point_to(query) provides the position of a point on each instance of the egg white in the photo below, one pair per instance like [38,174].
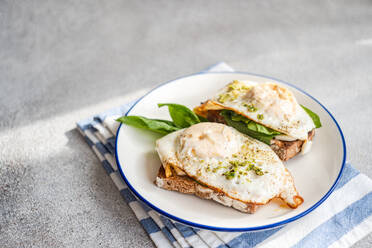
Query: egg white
[207,152]
[276,105]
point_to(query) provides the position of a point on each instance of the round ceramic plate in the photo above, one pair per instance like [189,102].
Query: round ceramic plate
[315,174]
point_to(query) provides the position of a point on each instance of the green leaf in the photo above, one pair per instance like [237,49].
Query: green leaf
[182,116]
[236,117]
[165,121]
[313,116]
[254,126]
[265,130]
[159,126]
[251,129]
[202,119]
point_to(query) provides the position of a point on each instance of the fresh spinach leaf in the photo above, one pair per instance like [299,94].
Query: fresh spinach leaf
[165,121]
[249,127]
[181,115]
[159,126]
[202,119]
[313,116]
[254,126]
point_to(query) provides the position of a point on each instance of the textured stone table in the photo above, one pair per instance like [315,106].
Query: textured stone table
[61,61]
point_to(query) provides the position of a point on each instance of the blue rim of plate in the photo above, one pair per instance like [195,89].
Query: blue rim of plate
[223,229]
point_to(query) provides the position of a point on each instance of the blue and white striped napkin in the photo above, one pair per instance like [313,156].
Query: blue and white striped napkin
[343,219]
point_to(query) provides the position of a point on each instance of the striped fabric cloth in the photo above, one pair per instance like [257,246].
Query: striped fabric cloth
[343,219]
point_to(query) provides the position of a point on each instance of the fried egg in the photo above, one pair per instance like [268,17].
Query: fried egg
[227,161]
[269,104]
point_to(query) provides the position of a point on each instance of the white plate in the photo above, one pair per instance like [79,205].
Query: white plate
[315,174]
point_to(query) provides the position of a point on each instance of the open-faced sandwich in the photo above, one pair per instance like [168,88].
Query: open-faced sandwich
[268,112]
[215,161]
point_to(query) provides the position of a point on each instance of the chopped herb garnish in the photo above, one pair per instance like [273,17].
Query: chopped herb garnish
[260,116]
[236,85]
[236,164]
[216,169]
[223,98]
[229,174]
[233,91]
[258,171]
[250,107]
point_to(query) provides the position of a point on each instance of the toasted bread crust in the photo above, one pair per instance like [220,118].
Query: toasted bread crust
[186,185]
[288,149]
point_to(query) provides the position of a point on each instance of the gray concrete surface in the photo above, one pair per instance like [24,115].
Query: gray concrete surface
[61,61]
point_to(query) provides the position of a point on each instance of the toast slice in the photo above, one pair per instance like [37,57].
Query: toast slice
[186,185]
